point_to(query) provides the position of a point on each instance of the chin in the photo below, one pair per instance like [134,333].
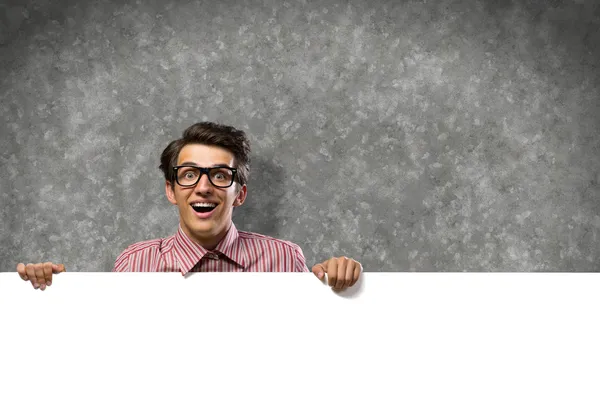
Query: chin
[203,229]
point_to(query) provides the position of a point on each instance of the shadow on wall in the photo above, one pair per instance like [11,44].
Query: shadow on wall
[265,190]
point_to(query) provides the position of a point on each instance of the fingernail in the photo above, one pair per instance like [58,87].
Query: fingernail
[36,286]
[43,286]
[48,283]
[320,274]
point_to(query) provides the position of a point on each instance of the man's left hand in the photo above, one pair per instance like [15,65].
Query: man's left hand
[342,272]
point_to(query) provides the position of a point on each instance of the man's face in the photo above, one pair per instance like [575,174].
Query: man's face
[207,229]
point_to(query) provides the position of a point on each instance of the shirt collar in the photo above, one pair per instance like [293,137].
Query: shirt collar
[188,252]
[231,247]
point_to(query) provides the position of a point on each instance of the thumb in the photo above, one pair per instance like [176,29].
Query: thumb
[57,269]
[319,270]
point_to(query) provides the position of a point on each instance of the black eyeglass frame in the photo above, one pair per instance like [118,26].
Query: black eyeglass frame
[207,172]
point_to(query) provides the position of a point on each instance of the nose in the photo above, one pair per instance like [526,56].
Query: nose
[204,185]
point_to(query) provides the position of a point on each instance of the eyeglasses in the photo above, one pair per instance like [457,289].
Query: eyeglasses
[189,175]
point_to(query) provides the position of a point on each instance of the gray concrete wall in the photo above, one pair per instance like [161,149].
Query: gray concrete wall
[411,135]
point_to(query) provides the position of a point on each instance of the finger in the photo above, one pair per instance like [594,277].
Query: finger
[31,275]
[39,274]
[332,273]
[22,272]
[58,268]
[357,271]
[48,273]
[341,273]
[350,268]
[319,271]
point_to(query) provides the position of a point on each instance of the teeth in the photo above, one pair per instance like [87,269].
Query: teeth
[204,205]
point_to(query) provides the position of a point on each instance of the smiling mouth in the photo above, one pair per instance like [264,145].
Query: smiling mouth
[203,208]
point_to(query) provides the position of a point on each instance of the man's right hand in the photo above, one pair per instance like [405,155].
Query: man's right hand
[40,275]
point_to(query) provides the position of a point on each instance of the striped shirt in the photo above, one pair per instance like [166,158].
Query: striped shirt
[237,252]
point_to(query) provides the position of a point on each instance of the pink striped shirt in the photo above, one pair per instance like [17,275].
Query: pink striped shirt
[237,252]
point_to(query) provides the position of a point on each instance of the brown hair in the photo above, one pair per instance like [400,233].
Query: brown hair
[212,134]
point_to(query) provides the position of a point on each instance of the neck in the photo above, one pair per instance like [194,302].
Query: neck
[208,242]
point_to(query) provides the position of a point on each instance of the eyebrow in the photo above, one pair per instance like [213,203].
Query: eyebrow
[193,164]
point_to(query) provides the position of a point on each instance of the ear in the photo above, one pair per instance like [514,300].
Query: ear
[169,189]
[240,197]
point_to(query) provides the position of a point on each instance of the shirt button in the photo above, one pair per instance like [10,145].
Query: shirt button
[212,256]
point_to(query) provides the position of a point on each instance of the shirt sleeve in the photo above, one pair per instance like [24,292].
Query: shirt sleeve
[300,262]
[122,262]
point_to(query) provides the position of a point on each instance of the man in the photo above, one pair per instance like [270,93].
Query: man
[206,172]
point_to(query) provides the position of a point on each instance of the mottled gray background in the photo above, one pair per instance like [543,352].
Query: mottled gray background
[411,135]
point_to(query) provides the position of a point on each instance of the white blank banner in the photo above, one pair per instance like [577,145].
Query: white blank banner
[287,336]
